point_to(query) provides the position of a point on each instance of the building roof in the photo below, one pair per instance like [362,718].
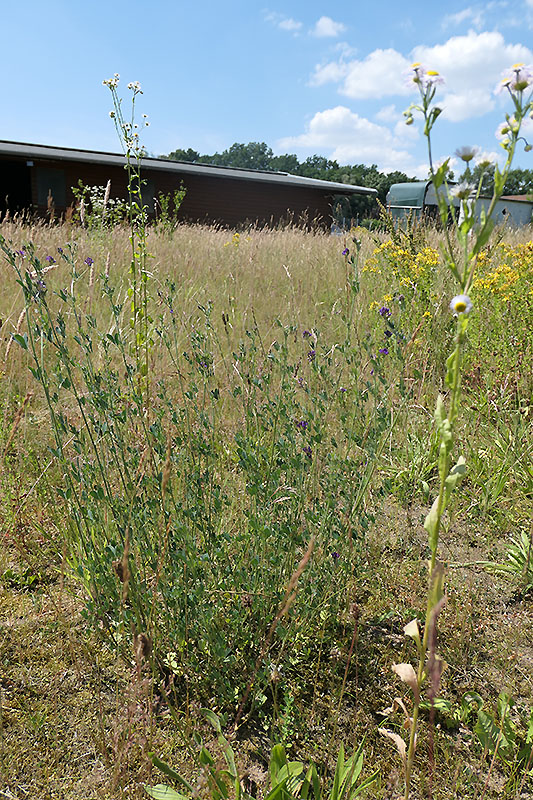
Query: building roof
[42,151]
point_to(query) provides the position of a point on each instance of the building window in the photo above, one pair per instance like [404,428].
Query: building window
[51,181]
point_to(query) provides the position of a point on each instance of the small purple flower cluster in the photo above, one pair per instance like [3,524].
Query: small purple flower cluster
[308,452]
[345,252]
[384,312]
[384,351]
[89,261]
[50,259]
[302,424]
[311,355]
[306,334]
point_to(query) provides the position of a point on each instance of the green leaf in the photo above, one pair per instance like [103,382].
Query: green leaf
[339,775]
[161,792]
[171,773]
[440,174]
[20,339]
[278,760]
[455,476]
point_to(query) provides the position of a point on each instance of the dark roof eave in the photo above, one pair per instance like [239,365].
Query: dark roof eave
[49,152]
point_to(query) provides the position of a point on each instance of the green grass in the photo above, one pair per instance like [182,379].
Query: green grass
[213,544]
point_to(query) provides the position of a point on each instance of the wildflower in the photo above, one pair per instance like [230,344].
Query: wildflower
[462,191]
[423,78]
[303,424]
[311,355]
[384,312]
[89,261]
[308,452]
[518,79]
[388,333]
[60,251]
[461,304]
[343,389]
[335,556]
[466,153]
[306,334]
[384,351]
[345,252]
[21,253]
[50,259]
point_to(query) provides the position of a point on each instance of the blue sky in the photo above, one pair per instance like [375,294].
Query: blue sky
[304,76]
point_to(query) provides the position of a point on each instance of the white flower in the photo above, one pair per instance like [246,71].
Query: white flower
[462,191]
[461,304]
[517,79]
[422,77]
[466,153]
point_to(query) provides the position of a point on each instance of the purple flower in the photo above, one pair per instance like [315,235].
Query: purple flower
[384,312]
[302,424]
[311,355]
[335,556]
[300,381]
[89,261]
[50,259]
[345,252]
[306,334]
[384,351]
[388,333]
[40,287]
[342,389]
[60,251]
[308,452]
[21,253]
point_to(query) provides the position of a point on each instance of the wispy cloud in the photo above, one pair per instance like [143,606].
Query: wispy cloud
[327,27]
[474,16]
[284,23]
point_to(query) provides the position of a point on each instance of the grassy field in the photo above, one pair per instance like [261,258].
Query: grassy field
[239,525]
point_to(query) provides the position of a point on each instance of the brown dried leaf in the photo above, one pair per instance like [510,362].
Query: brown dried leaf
[398,741]
[407,674]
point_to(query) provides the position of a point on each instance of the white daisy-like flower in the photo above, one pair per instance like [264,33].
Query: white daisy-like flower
[518,78]
[466,153]
[462,191]
[461,304]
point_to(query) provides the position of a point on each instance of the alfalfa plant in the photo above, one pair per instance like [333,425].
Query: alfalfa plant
[471,235]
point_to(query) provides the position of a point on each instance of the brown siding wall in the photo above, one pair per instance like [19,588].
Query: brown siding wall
[226,201]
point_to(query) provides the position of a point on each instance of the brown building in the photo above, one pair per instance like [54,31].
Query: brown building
[30,174]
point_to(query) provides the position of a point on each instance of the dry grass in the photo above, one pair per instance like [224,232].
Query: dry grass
[75,723]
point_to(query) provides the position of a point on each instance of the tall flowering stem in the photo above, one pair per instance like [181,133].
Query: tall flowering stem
[472,233]
[128,134]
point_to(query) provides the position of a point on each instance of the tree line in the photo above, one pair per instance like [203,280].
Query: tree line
[258,155]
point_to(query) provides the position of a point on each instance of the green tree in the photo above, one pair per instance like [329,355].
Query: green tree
[183,155]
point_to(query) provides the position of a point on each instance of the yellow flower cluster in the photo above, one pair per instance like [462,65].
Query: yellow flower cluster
[512,275]
[412,272]
[408,269]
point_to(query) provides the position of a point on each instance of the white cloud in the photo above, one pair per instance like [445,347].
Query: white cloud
[472,65]
[289,24]
[325,26]
[388,114]
[283,22]
[351,139]
[472,15]
[380,74]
